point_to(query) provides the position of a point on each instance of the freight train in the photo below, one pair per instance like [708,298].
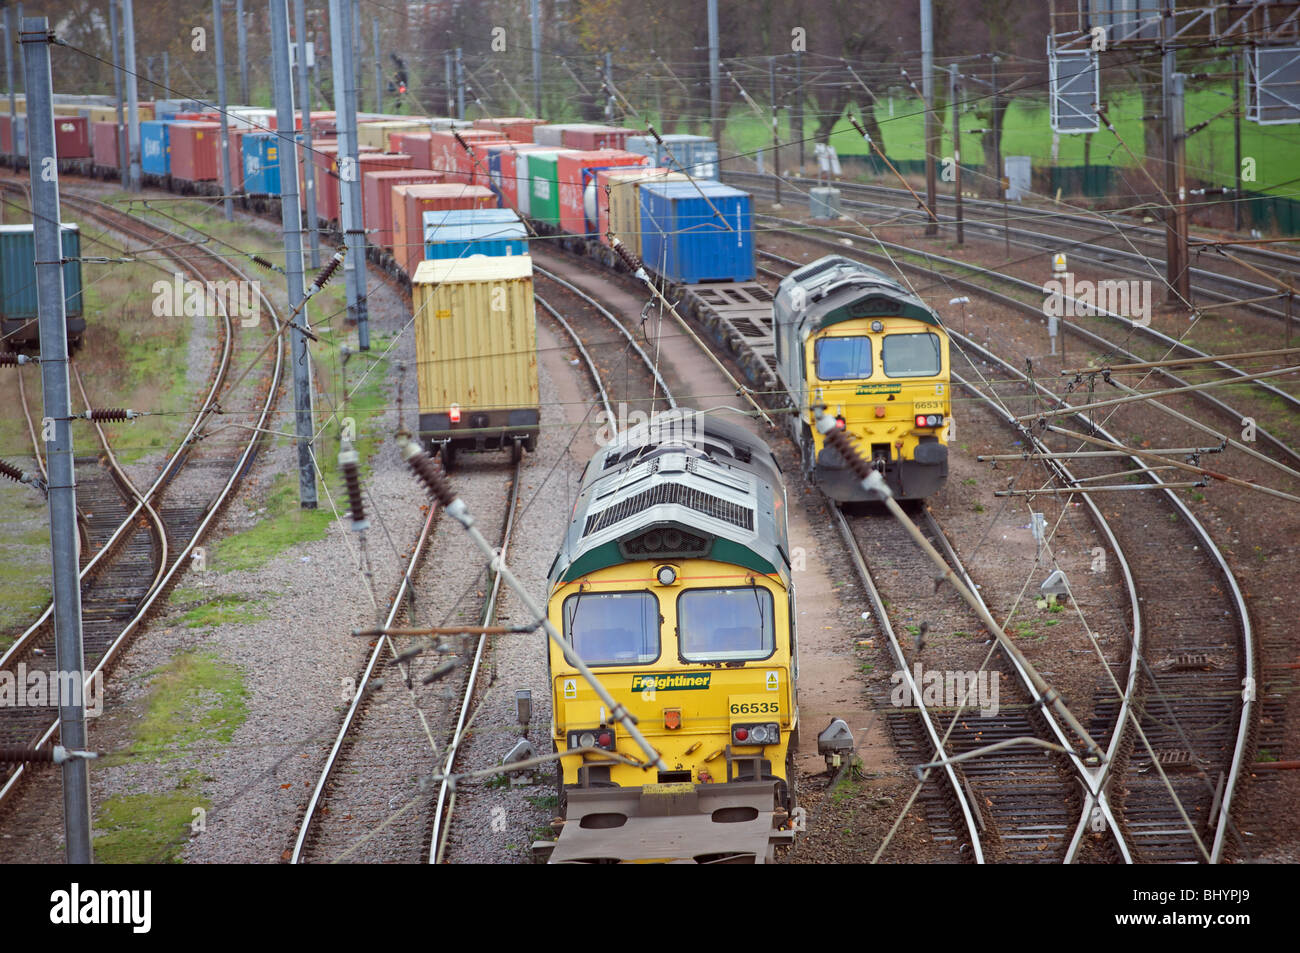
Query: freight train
[841,333]
[673,584]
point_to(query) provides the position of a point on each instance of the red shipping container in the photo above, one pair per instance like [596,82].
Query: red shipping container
[572,182]
[515,128]
[323,123]
[593,136]
[410,202]
[198,117]
[196,151]
[72,137]
[327,192]
[415,145]
[237,160]
[325,158]
[377,199]
[449,156]
[6,134]
[512,180]
[104,144]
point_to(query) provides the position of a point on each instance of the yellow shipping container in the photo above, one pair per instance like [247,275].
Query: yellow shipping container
[476,354]
[103,113]
[625,204]
[376,133]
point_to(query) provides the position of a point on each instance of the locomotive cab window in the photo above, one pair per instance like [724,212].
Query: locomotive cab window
[911,355]
[843,358]
[613,628]
[725,625]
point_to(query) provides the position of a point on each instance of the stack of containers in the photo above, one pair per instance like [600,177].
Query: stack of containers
[449,156]
[588,136]
[196,151]
[683,239]
[618,206]
[259,163]
[459,233]
[155,149]
[515,128]
[574,171]
[510,173]
[410,202]
[697,155]
[543,192]
[377,199]
[372,162]
[72,137]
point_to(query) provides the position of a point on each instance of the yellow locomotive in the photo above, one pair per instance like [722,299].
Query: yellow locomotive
[673,584]
[850,338]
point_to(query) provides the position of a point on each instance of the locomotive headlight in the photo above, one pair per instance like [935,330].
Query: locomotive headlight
[586,740]
[929,420]
[768,733]
[667,575]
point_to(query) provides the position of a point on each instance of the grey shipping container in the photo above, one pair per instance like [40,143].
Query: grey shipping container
[696,155]
[553,135]
[18,286]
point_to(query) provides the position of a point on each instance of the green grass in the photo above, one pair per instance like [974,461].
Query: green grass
[148,828]
[285,524]
[196,699]
[221,610]
[1026,131]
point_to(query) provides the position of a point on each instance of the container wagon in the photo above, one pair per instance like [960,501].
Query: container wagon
[476,355]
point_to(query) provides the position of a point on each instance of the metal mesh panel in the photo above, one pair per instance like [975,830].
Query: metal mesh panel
[673,494]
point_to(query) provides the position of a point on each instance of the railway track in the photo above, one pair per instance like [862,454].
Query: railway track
[1101,240]
[1203,726]
[1282,453]
[135,565]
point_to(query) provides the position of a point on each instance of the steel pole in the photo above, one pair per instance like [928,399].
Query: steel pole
[345,104]
[460,85]
[715,85]
[931,128]
[218,38]
[304,104]
[42,165]
[117,89]
[1236,137]
[379,79]
[241,34]
[291,224]
[132,95]
[535,15]
[956,151]
[8,72]
[776,127]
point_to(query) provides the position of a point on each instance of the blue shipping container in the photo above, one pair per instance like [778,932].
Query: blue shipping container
[155,147]
[696,155]
[683,239]
[457,233]
[261,163]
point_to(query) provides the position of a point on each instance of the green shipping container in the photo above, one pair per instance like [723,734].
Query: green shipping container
[543,189]
[18,284]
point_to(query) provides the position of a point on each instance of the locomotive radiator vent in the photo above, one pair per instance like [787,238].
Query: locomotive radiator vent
[672,494]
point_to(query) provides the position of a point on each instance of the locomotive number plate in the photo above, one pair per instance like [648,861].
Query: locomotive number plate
[927,406]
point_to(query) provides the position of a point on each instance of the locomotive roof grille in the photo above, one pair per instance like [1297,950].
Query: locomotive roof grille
[673,494]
